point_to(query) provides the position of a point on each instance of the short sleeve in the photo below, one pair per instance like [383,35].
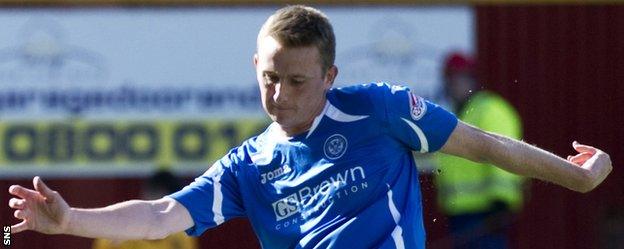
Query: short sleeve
[421,125]
[214,197]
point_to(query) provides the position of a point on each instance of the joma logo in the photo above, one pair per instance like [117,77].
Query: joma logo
[266,177]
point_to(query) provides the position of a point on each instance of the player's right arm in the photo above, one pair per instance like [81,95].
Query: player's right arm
[44,210]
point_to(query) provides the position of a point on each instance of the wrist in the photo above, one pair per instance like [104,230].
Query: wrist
[69,222]
[583,179]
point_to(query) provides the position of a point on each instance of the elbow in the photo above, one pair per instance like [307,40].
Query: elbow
[156,231]
[491,149]
[158,228]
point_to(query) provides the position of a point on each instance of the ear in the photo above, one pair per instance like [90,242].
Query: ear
[255,60]
[331,75]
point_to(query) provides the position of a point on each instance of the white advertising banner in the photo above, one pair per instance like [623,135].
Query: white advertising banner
[112,90]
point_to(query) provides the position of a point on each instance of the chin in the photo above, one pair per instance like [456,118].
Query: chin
[277,118]
[283,121]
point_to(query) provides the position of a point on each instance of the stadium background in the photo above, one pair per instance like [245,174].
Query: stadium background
[561,65]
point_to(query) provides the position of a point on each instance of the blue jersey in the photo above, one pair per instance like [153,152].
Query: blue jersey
[348,182]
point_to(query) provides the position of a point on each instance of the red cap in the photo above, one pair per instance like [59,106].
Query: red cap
[457,62]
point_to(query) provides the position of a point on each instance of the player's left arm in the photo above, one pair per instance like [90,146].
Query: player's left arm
[581,172]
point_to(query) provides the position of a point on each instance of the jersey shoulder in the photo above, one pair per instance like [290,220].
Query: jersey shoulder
[375,99]
[246,153]
[361,99]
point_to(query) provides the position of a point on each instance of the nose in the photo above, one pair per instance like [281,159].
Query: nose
[281,93]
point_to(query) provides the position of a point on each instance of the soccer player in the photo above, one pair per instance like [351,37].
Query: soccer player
[333,170]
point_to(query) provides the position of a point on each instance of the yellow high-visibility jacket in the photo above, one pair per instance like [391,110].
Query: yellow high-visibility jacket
[467,187]
[174,241]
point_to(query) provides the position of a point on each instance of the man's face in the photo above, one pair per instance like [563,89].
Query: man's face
[292,83]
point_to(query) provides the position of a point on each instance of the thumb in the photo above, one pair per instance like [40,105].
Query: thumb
[42,188]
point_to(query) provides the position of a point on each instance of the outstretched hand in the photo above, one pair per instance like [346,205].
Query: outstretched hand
[596,162]
[42,209]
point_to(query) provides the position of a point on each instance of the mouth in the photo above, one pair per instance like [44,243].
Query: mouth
[281,108]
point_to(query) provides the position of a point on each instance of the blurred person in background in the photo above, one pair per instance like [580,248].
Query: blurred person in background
[160,184]
[334,169]
[478,198]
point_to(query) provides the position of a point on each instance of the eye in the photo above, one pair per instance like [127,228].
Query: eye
[298,81]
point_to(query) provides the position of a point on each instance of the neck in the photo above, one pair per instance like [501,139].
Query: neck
[291,131]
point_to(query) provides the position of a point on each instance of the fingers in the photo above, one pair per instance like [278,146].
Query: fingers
[17,203]
[583,148]
[22,192]
[21,214]
[20,227]
[580,159]
[42,188]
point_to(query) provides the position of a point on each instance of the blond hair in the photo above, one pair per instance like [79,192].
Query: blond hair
[299,26]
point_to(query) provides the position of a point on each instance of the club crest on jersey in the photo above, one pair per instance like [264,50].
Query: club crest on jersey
[335,146]
[418,107]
